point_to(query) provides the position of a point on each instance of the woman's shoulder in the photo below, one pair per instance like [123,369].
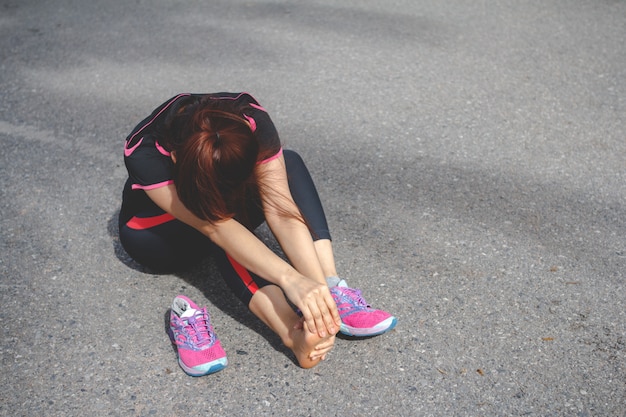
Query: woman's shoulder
[241,98]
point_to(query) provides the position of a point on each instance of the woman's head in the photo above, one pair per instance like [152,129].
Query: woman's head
[215,154]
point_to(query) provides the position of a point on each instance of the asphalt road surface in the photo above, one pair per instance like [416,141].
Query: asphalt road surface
[471,156]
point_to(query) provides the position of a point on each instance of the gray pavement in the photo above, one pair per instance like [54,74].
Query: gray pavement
[471,156]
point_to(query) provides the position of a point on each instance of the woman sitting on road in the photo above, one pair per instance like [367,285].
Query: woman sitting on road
[205,170]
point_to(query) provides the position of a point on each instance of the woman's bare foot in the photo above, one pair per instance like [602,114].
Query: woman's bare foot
[270,305]
[308,347]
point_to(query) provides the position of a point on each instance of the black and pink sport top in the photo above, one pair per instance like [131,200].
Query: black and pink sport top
[150,166]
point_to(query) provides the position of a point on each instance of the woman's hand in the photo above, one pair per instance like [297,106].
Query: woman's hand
[318,307]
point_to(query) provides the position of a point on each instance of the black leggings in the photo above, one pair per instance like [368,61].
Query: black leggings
[162,243]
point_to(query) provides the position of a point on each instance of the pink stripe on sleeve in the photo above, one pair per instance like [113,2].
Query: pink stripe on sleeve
[161,149]
[271,158]
[252,122]
[256,106]
[152,186]
[129,151]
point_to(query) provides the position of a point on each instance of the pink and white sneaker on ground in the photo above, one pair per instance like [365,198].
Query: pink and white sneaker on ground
[199,350]
[357,316]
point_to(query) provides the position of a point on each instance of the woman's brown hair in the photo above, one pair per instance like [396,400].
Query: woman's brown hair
[216,153]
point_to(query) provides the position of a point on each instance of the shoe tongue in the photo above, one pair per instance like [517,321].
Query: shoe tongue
[190,312]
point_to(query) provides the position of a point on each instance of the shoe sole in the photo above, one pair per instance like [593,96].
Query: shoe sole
[205,369]
[380,328]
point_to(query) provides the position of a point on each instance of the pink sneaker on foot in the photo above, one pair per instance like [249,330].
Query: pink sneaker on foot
[199,350]
[357,317]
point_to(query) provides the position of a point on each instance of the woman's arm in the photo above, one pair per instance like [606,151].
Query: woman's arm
[283,217]
[312,298]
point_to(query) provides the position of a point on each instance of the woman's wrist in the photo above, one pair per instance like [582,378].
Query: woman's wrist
[288,277]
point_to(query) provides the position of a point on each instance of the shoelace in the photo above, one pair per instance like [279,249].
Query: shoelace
[197,328]
[354,296]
